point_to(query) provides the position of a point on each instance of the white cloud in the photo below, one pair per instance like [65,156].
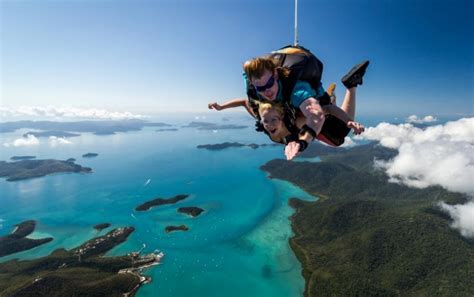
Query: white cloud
[463,217]
[426,119]
[64,113]
[57,141]
[30,140]
[439,155]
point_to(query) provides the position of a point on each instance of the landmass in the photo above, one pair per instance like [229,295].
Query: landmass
[368,237]
[213,126]
[191,210]
[160,201]
[169,229]
[225,145]
[17,241]
[169,129]
[90,155]
[82,271]
[16,158]
[102,226]
[104,127]
[52,133]
[71,160]
[26,169]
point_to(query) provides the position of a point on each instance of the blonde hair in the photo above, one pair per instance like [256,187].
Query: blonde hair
[264,106]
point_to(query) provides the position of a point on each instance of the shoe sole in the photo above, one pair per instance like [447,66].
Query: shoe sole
[356,69]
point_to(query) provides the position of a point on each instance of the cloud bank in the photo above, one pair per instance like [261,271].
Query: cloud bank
[57,141]
[64,113]
[438,155]
[30,140]
[416,120]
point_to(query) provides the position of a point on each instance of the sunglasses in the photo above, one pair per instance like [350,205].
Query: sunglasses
[268,85]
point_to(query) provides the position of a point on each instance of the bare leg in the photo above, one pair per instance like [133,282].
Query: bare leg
[349,103]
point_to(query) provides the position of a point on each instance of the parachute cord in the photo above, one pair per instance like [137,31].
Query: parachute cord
[296,22]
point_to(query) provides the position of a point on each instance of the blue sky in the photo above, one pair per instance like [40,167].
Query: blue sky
[172,55]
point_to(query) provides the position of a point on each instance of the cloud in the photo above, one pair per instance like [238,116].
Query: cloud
[64,113]
[426,119]
[57,141]
[437,155]
[463,217]
[30,140]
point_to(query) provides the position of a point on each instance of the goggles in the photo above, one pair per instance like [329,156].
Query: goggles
[268,85]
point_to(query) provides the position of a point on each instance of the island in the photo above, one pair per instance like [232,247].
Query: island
[52,133]
[17,241]
[366,236]
[71,160]
[83,270]
[161,201]
[26,169]
[90,155]
[192,211]
[164,130]
[17,158]
[102,127]
[169,229]
[102,226]
[213,126]
[226,145]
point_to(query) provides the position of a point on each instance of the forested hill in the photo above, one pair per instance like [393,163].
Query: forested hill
[369,237]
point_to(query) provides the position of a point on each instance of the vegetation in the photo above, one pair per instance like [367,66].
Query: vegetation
[17,241]
[160,201]
[369,237]
[82,271]
[25,169]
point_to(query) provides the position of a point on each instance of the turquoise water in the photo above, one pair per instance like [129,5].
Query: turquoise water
[237,247]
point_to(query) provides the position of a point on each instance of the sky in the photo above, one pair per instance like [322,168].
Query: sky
[177,55]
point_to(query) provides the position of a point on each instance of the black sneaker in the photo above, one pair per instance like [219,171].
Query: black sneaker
[354,77]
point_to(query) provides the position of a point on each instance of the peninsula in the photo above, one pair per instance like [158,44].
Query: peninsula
[26,169]
[17,241]
[368,237]
[160,201]
[83,270]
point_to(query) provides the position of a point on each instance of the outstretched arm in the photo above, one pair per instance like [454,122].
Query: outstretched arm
[231,104]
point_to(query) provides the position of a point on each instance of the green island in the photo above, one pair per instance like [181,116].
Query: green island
[161,201]
[225,145]
[18,158]
[101,226]
[26,169]
[191,210]
[368,237]
[169,229]
[82,271]
[17,241]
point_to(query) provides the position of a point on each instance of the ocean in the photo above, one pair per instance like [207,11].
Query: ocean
[237,247]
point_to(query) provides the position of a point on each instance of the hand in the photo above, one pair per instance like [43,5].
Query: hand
[214,105]
[291,150]
[358,128]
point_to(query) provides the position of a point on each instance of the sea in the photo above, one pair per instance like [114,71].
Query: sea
[239,246]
